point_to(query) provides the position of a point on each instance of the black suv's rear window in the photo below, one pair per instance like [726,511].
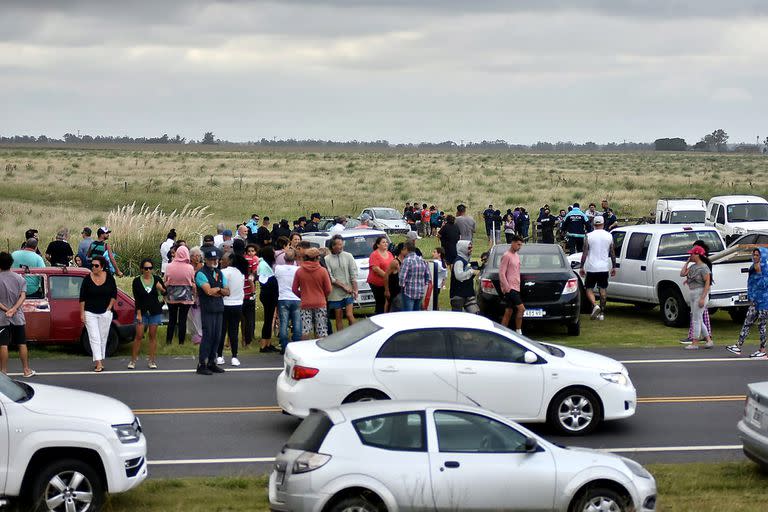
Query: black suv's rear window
[311,432]
[349,336]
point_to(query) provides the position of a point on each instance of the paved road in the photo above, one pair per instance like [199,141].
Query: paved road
[229,423]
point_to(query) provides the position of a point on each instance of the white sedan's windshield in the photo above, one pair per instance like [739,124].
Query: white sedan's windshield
[387,214]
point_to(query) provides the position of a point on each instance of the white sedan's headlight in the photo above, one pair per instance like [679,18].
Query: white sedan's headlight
[616,378]
[129,433]
[636,468]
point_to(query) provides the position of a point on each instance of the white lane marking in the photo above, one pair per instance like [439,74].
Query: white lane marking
[250,460]
[652,449]
[138,372]
[643,449]
[691,360]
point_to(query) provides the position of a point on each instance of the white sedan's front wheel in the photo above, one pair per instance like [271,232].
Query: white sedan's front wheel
[575,412]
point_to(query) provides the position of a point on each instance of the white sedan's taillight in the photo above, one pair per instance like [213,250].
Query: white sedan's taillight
[572,286]
[486,285]
[303,372]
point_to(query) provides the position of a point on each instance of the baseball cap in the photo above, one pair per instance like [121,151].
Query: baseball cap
[698,250]
[598,220]
[412,235]
[365,217]
[103,230]
[211,253]
[227,232]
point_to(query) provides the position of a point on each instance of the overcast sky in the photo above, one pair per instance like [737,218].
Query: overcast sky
[430,70]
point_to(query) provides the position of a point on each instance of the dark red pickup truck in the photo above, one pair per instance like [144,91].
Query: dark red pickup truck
[52,309]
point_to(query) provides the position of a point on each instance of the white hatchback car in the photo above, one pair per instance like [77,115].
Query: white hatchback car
[390,456]
[456,357]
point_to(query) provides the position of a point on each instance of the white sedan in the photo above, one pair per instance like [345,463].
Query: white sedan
[456,357]
[390,456]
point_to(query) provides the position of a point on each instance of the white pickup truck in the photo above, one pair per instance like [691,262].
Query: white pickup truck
[649,258]
[63,450]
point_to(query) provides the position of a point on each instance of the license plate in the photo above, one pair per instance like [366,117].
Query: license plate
[757,418]
[534,313]
[366,297]
[743,297]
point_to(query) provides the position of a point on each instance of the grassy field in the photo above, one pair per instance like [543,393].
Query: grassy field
[732,487]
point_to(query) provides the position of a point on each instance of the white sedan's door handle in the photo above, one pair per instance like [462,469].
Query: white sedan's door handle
[389,369]
[467,371]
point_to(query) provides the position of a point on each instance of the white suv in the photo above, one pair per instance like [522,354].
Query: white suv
[734,216]
[63,449]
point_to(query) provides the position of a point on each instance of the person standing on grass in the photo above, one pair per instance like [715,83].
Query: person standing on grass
[547,223]
[101,247]
[488,215]
[194,322]
[263,235]
[147,291]
[343,271]
[249,295]
[312,285]
[288,303]
[59,252]
[233,307]
[439,271]
[575,225]
[98,294]
[280,245]
[31,233]
[757,292]
[165,247]
[212,287]
[598,261]
[462,293]
[414,278]
[179,281]
[12,321]
[378,263]
[392,280]
[268,294]
[699,278]
[449,235]
[465,223]
[509,277]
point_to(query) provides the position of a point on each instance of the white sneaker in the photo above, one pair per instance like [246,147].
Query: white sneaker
[595,312]
[235,362]
[219,360]
[519,331]
[601,317]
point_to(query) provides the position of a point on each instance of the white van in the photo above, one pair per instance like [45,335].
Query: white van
[680,211]
[734,216]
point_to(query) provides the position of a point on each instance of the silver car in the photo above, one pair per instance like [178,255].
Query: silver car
[400,455]
[753,427]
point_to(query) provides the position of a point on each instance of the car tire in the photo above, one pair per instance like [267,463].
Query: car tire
[113,342]
[674,310]
[575,412]
[574,329]
[600,498]
[356,504]
[49,480]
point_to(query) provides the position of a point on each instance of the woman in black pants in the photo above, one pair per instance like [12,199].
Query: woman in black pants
[180,285]
[268,296]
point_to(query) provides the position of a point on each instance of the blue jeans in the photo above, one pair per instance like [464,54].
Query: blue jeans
[410,304]
[289,309]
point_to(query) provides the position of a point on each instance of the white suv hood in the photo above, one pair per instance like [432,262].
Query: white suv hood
[58,401]
[391,224]
[584,359]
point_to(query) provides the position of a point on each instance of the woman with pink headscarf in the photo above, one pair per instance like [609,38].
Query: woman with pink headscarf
[180,283]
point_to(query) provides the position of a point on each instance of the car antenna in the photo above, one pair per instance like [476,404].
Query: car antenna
[459,391]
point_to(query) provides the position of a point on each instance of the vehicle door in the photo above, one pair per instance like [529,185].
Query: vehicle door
[417,364]
[64,295]
[479,463]
[711,215]
[397,444]
[37,308]
[720,220]
[632,282]
[4,447]
[491,371]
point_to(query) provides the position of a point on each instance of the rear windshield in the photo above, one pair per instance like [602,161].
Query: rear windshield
[678,244]
[358,246]
[349,336]
[537,261]
[687,217]
[310,433]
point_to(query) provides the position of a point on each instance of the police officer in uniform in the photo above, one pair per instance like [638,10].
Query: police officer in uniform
[211,290]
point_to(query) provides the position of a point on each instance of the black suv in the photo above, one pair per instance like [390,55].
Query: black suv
[549,287]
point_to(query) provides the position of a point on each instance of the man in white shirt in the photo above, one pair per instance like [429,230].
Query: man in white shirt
[288,304]
[165,247]
[339,226]
[598,260]
[233,308]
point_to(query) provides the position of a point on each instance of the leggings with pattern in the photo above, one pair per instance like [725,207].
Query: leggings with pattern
[754,315]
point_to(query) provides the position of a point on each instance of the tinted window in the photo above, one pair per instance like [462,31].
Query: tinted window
[349,336]
[687,217]
[472,433]
[65,287]
[678,244]
[473,344]
[310,433]
[532,258]
[712,211]
[618,241]
[360,246]
[638,246]
[402,431]
[420,344]
[747,212]
[720,215]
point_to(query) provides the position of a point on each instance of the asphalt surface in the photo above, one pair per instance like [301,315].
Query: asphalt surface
[229,424]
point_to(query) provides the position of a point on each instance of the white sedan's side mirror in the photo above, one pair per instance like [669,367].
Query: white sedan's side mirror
[530,357]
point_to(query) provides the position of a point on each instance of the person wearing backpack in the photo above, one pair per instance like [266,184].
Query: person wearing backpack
[101,247]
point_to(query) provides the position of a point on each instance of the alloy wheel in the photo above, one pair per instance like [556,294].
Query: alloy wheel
[68,491]
[575,413]
[601,504]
